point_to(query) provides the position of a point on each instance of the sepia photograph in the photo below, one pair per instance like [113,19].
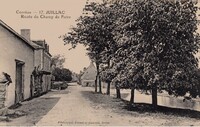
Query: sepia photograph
[100,63]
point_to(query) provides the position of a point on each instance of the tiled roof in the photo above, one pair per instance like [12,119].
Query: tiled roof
[90,73]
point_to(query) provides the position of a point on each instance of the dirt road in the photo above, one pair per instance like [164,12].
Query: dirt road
[73,109]
[79,106]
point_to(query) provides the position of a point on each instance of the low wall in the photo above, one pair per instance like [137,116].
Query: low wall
[2,95]
[88,83]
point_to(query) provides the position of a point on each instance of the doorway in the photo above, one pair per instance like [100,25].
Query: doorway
[19,92]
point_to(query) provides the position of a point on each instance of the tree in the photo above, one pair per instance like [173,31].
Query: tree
[160,36]
[94,32]
[62,74]
[121,55]
[107,18]
[58,61]
[107,75]
[151,43]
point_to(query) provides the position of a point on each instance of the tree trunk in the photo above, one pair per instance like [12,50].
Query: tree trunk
[154,95]
[98,78]
[198,87]
[95,85]
[118,93]
[108,86]
[132,96]
[100,91]
[108,89]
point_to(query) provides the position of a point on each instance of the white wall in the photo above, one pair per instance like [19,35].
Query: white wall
[37,61]
[47,67]
[12,48]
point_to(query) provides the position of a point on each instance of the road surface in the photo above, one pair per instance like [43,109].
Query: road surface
[73,109]
[78,106]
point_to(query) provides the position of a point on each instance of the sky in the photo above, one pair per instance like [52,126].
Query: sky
[21,14]
[46,28]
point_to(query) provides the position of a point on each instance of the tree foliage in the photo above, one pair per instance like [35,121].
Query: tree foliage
[58,61]
[95,32]
[160,36]
[150,43]
[62,74]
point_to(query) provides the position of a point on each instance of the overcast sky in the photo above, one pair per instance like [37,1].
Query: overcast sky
[45,28]
[48,29]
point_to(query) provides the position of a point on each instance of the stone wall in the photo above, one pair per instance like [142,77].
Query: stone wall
[2,95]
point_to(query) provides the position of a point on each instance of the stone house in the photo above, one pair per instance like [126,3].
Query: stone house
[89,76]
[43,63]
[41,82]
[17,60]
[19,57]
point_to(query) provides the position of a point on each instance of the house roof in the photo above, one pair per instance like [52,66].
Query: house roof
[38,44]
[30,43]
[27,42]
[90,73]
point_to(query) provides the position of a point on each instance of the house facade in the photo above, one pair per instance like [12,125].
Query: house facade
[41,76]
[17,60]
[89,76]
[43,63]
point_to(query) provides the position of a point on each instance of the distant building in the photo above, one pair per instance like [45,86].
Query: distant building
[89,76]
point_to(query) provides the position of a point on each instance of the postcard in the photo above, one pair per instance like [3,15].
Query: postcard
[99,63]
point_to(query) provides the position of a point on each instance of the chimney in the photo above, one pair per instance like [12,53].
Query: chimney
[44,44]
[47,48]
[26,33]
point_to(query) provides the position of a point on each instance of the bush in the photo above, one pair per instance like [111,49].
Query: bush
[62,74]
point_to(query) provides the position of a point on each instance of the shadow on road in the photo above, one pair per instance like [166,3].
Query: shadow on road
[105,101]
[148,108]
[138,109]
[34,110]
